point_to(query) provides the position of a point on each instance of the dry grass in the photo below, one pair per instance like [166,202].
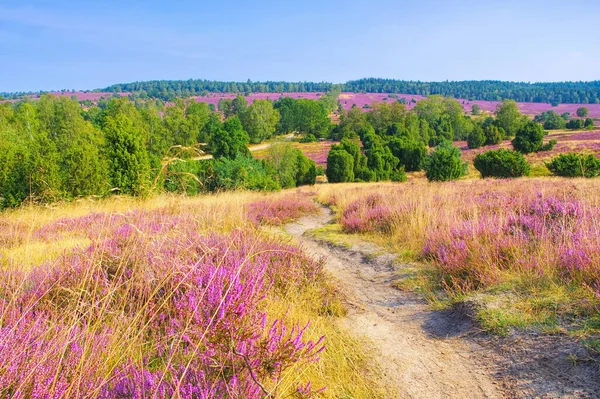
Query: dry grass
[460,232]
[33,237]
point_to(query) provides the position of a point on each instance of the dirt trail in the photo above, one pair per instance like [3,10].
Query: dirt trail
[424,353]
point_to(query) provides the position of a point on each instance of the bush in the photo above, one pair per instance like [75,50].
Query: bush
[411,153]
[501,163]
[548,146]
[309,138]
[493,135]
[575,165]
[476,138]
[529,138]
[340,166]
[183,177]
[244,172]
[445,164]
[575,124]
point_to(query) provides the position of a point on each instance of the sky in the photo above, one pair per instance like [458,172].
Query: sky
[84,44]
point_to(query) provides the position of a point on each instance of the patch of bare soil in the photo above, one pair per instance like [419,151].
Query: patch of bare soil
[429,354]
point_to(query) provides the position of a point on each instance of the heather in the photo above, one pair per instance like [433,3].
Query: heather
[524,242]
[175,297]
[277,211]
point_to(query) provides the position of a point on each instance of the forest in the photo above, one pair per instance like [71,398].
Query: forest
[488,90]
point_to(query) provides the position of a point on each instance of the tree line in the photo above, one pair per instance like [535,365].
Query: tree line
[56,149]
[490,90]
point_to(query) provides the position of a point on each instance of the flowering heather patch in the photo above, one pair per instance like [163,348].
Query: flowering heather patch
[475,232]
[588,142]
[281,210]
[368,214]
[153,308]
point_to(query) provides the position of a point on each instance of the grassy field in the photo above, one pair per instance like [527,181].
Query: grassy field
[523,253]
[171,296]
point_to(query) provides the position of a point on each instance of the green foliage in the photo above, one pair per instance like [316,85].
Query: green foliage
[501,163]
[550,120]
[230,140]
[381,161]
[293,168]
[350,125]
[529,138]
[309,138]
[410,153]
[311,117]
[548,146]
[127,156]
[260,120]
[589,124]
[340,166]
[583,112]
[575,124]
[476,109]
[509,118]
[575,165]
[243,172]
[477,138]
[445,163]
[183,177]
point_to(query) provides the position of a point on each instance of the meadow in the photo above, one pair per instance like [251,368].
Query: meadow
[170,297]
[523,253]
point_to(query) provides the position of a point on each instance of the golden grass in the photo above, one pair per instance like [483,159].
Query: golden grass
[519,299]
[346,369]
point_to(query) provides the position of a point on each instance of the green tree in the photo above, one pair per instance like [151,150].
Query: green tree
[311,117]
[529,138]
[508,117]
[477,137]
[340,166]
[410,153]
[260,120]
[582,112]
[230,140]
[128,160]
[554,121]
[476,109]
[492,135]
[445,163]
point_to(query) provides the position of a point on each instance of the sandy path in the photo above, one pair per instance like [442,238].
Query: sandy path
[418,354]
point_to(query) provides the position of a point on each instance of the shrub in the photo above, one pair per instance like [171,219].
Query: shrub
[575,124]
[575,165]
[501,163]
[493,135]
[548,146]
[183,177]
[411,153]
[244,172]
[340,166]
[476,138]
[582,112]
[445,164]
[309,138]
[529,138]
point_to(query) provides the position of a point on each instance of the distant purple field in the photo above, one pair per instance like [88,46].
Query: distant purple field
[348,99]
[213,98]
[81,95]
[360,99]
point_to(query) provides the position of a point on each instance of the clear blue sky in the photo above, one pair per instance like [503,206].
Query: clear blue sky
[81,44]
